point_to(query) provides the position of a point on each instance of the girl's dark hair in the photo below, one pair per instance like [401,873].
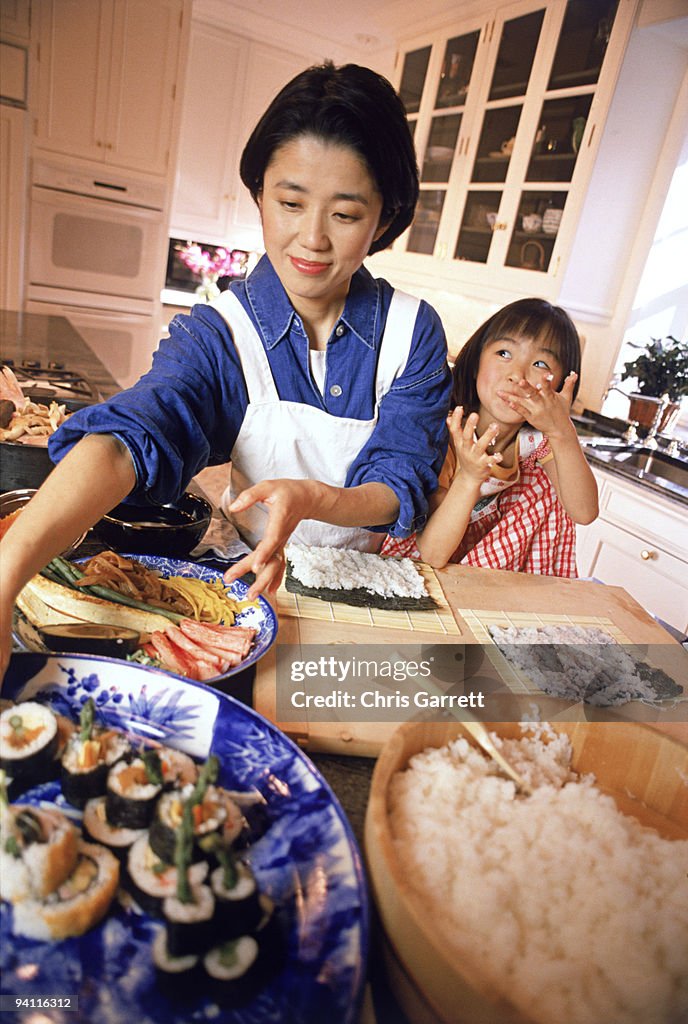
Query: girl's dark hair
[529,318]
[349,106]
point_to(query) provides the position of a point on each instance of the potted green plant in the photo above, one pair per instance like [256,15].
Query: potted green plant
[661,369]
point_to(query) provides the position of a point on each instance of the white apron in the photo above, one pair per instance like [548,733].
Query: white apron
[289,440]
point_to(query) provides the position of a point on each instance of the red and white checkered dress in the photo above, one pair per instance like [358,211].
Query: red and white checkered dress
[523,529]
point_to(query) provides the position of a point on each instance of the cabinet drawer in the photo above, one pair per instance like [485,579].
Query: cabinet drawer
[636,508]
[651,575]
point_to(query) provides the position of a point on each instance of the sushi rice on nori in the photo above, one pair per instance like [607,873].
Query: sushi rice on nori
[150,880]
[211,815]
[88,757]
[238,907]
[96,825]
[131,793]
[357,578]
[28,744]
[191,923]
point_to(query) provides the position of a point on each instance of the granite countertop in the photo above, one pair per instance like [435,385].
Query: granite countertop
[52,339]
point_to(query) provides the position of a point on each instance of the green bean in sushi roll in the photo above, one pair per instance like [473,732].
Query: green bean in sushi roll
[236,969]
[28,743]
[77,904]
[88,757]
[210,815]
[150,880]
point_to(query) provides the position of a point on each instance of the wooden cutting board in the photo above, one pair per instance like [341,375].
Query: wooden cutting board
[472,595]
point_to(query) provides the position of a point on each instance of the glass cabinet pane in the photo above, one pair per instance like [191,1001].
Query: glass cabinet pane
[558,138]
[536,229]
[496,144]
[457,68]
[515,57]
[477,225]
[426,221]
[582,43]
[413,78]
[444,131]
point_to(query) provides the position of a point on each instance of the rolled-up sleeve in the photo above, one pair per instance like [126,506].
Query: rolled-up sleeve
[184,414]
[407,448]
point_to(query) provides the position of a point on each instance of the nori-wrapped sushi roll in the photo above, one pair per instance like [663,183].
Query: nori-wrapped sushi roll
[189,914]
[28,742]
[237,904]
[117,839]
[176,975]
[132,791]
[88,757]
[210,815]
[237,970]
[150,880]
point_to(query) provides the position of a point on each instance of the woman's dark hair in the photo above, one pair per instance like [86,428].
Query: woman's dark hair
[525,318]
[349,106]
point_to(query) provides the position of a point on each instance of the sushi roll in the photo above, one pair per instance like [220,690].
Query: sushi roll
[28,742]
[178,769]
[209,816]
[238,907]
[77,904]
[150,880]
[236,969]
[176,975]
[132,791]
[88,757]
[190,922]
[99,829]
[38,851]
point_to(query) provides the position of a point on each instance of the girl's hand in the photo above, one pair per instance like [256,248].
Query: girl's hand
[544,408]
[473,456]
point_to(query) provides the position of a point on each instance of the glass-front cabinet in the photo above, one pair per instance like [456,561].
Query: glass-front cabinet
[506,115]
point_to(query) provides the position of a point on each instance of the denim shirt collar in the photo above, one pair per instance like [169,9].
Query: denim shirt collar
[276,315]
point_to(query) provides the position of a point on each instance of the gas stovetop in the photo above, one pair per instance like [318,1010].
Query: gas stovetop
[53,383]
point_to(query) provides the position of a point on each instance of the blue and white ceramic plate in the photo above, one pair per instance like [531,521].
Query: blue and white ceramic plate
[261,616]
[306,860]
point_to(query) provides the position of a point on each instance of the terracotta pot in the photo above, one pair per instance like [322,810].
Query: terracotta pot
[644,409]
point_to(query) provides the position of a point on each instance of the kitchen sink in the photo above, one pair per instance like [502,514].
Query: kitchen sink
[656,463]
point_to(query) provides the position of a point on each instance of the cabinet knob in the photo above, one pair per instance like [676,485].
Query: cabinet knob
[647,555]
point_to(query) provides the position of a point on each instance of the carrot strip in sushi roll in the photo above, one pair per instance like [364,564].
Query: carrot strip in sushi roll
[28,742]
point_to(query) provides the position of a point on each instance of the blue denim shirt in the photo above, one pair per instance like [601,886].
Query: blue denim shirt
[186,412]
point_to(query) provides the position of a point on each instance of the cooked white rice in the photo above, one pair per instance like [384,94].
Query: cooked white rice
[585,664]
[342,569]
[570,908]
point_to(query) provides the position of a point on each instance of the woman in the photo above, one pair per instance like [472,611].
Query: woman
[326,389]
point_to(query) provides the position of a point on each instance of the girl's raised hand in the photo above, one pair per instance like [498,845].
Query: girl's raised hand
[544,408]
[473,454]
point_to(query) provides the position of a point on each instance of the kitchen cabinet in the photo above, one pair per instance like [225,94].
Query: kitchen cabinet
[639,542]
[506,114]
[210,203]
[13,176]
[15,20]
[106,83]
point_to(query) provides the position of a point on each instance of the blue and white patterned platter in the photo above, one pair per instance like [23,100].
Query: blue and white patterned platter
[261,616]
[306,860]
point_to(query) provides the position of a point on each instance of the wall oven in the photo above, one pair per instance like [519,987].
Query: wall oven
[97,255]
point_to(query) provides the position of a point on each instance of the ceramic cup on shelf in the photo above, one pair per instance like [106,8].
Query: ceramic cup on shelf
[507,146]
[532,222]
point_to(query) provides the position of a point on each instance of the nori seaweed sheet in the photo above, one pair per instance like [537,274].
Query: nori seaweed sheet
[358,596]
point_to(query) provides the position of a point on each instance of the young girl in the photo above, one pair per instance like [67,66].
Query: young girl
[515,479]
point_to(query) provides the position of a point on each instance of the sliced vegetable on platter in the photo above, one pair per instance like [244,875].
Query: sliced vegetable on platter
[181,615]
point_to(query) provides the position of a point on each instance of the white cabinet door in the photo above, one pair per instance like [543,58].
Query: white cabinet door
[208,160]
[145,57]
[106,79]
[13,171]
[656,579]
[210,203]
[72,57]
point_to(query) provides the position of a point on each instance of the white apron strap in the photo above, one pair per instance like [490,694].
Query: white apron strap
[248,343]
[395,343]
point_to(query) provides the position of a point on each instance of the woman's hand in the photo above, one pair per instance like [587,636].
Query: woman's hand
[544,408]
[473,455]
[287,503]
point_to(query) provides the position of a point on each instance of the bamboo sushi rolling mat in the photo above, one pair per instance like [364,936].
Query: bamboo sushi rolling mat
[479,622]
[436,620]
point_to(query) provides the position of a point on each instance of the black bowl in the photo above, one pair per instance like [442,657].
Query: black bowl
[172,530]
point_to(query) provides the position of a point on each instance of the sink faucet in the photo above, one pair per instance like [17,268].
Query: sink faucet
[651,439]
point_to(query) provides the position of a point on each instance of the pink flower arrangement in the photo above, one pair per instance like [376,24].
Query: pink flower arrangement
[225,262]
